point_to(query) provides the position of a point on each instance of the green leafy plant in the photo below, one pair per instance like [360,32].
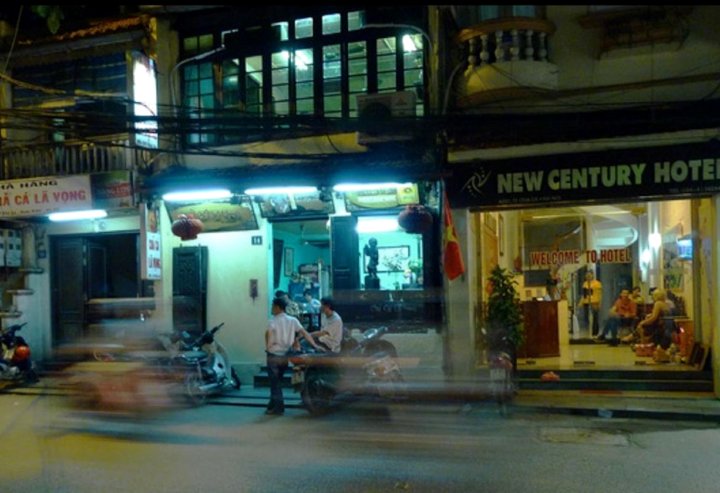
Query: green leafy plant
[416,266]
[503,320]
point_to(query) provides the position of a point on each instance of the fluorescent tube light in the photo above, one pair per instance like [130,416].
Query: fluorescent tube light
[376,225]
[279,190]
[191,195]
[77,215]
[358,187]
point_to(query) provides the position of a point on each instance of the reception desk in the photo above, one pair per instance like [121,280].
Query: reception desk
[543,321]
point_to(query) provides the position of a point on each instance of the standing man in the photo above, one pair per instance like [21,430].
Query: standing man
[590,302]
[279,338]
[331,326]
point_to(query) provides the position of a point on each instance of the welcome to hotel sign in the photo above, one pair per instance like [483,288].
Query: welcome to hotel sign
[634,173]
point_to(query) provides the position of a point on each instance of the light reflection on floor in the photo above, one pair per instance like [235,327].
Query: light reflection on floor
[599,357]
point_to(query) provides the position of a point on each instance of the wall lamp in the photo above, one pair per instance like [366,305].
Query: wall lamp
[192,195]
[655,240]
[77,215]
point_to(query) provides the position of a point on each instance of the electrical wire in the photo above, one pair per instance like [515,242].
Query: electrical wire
[14,40]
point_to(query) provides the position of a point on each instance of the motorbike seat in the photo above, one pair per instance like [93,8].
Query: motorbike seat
[193,355]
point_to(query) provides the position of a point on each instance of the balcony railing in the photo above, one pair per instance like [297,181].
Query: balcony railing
[70,158]
[507,39]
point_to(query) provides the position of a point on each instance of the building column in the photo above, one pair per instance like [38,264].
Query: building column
[459,341]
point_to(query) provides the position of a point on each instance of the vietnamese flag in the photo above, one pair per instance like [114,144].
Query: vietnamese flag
[452,259]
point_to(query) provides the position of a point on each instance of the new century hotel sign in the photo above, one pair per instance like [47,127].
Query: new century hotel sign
[682,170]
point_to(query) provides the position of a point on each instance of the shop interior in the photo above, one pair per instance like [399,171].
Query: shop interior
[351,246]
[631,249]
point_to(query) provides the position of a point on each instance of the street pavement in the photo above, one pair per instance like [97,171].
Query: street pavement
[429,387]
[362,446]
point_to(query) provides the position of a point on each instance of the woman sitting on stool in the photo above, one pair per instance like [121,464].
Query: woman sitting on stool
[653,325]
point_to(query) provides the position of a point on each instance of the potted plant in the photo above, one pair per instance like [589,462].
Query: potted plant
[504,329]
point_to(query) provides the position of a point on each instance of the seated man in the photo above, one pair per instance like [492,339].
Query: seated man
[623,311]
[312,305]
[330,334]
[293,309]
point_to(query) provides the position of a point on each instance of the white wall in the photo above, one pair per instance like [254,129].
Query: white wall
[232,262]
[574,50]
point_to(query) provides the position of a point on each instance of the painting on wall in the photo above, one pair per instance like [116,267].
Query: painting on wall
[391,259]
[672,263]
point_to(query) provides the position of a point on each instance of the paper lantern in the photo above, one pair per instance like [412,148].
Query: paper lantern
[415,219]
[187,227]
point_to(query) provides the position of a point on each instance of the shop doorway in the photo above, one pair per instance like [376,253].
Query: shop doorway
[301,250]
[623,246]
[89,272]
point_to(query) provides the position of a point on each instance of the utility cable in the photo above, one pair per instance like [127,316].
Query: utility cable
[15,34]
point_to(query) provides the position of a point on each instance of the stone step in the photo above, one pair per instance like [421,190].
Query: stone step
[618,385]
[20,291]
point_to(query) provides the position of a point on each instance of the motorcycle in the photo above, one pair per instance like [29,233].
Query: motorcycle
[16,364]
[208,369]
[363,367]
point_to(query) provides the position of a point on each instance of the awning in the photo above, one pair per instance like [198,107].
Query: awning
[396,162]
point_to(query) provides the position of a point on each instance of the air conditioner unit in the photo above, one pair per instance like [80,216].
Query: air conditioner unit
[377,110]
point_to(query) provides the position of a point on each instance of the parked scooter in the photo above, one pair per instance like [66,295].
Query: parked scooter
[16,364]
[363,367]
[207,364]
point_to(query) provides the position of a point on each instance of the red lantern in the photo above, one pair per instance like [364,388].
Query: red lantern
[187,227]
[415,219]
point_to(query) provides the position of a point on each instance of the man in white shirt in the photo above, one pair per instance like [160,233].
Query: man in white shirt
[279,338]
[331,326]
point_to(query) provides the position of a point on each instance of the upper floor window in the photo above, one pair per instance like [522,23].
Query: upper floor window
[313,65]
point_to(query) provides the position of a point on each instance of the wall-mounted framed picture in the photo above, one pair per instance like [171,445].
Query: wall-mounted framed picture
[289,261]
[391,259]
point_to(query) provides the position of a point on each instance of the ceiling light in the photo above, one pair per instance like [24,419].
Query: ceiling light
[191,195]
[408,44]
[77,215]
[280,190]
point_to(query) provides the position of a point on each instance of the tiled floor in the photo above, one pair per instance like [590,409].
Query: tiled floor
[601,357]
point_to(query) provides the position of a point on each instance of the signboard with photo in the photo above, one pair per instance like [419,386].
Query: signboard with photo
[112,190]
[150,253]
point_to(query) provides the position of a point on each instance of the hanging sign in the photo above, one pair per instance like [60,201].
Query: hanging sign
[151,254]
[112,190]
[382,198]
[235,214]
[43,195]
[561,257]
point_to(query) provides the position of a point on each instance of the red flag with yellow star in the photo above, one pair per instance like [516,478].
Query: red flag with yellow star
[452,259]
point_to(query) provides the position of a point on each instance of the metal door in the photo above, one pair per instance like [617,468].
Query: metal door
[68,284]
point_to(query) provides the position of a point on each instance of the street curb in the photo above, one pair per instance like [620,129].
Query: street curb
[610,413]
